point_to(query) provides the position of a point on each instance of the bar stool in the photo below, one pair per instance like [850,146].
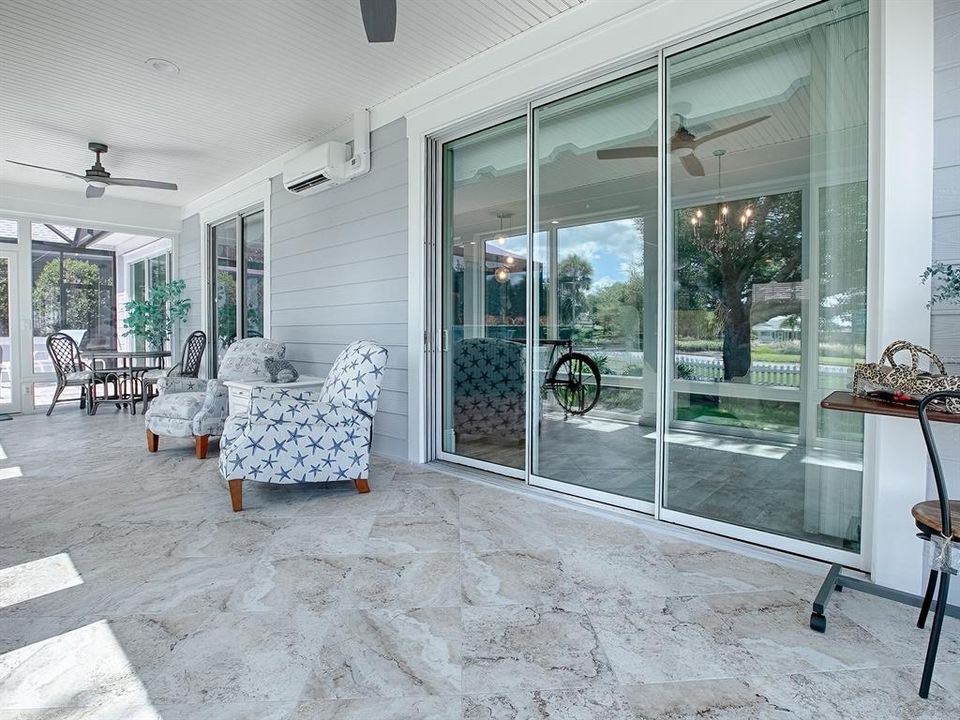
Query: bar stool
[938,519]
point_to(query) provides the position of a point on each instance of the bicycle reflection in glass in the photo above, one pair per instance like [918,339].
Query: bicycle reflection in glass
[573,377]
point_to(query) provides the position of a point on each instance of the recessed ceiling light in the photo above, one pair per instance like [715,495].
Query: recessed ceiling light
[554,222]
[164,67]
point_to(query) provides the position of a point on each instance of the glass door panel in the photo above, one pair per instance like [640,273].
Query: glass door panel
[9,394]
[767,208]
[484,273]
[595,348]
[224,243]
[253,274]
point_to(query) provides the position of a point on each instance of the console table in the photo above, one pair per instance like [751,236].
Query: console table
[836,580]
[240,390]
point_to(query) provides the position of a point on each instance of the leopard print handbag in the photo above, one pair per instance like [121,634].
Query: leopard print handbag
[910,379]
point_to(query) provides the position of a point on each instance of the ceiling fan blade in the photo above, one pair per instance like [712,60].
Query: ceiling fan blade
[692,165]
[379,19]
[133,182]
[637,151]
[40,167]
[95,191]
[731,129]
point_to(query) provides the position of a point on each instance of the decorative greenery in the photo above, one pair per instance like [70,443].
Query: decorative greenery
[947,289]
[153,319]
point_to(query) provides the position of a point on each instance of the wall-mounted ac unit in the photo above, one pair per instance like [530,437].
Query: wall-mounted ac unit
[317,169]
[330,164]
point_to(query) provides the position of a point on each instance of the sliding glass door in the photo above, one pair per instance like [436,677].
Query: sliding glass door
[664,272]
[767,206]
[594,352]
[483,285]
[237,282]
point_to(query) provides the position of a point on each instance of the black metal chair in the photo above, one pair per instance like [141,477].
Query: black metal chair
[938,518]
[191,358]
[70,368]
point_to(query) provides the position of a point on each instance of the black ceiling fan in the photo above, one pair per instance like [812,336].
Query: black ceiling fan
[97,178]
[683,142]
[379,19]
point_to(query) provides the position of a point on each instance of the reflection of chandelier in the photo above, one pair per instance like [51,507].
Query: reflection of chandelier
[721,226]
[501,237]
[502,273]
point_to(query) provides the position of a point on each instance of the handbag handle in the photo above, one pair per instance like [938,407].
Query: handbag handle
[915,352]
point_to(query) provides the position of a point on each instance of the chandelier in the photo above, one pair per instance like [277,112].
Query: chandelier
[720,236]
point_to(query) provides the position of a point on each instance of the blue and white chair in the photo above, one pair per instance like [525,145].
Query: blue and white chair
[308,437]
[197,408]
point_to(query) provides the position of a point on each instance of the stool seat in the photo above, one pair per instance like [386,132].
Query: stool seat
[927,517]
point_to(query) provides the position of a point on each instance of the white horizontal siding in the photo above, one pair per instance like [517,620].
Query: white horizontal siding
[339,274]
[187,248]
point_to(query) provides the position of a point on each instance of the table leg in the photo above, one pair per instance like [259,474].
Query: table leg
[836,580]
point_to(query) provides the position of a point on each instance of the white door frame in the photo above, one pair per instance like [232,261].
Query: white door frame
[11,363]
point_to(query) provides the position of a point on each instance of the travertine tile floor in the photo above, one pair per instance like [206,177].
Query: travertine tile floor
[129,590]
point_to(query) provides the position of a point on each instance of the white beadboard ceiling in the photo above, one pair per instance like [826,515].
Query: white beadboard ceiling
[258,78]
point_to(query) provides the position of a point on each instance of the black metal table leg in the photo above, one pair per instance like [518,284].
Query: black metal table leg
[836,580]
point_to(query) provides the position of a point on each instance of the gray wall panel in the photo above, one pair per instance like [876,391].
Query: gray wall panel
[187,248]
[339,273]
[945,323]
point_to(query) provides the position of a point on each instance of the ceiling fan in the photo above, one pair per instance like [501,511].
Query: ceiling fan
[379,19]
[683,142]
[97,178]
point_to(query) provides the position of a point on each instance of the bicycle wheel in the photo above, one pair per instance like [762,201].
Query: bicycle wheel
[575,379]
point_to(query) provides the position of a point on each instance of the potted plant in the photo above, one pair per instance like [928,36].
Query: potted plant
[947,289]
[153,319]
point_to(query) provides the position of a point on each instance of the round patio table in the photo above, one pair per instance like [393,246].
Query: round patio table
[124,375]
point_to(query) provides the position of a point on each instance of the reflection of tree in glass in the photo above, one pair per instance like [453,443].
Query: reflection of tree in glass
[843,263]
[4,299]
[574,278]
[720,274]
[226,308]
[618,308]
[80,309]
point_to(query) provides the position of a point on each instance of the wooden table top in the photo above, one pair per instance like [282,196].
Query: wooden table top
[848,402]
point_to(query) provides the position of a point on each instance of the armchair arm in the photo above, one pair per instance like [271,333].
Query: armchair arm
[270,406]
[181,384]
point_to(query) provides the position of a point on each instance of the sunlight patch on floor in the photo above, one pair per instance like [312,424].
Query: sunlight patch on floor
[739,446]
[36,578]
[592,424]
[11,472]
[81,668]
[840,462]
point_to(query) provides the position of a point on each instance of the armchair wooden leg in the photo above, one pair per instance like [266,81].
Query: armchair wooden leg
[202,441]
[362,486]
[153,441]
[236,494]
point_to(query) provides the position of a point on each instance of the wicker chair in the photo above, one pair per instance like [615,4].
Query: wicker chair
[71,370]
[189,366]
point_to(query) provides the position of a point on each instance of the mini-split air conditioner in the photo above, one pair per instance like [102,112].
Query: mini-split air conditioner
[331,163]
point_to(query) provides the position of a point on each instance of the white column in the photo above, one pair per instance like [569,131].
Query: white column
[902,153]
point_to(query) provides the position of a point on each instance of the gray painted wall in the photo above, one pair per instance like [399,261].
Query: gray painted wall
[187,250]
[945,322]
[945,325]
[338,269]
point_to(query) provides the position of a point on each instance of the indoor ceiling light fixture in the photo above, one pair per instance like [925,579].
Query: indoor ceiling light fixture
[721,228]
[501,236]
[162,66]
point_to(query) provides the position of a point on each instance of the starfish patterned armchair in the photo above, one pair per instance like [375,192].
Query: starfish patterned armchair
[195,407]
[308,437]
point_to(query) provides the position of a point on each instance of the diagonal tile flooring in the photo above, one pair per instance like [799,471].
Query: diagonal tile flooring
[130,591]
